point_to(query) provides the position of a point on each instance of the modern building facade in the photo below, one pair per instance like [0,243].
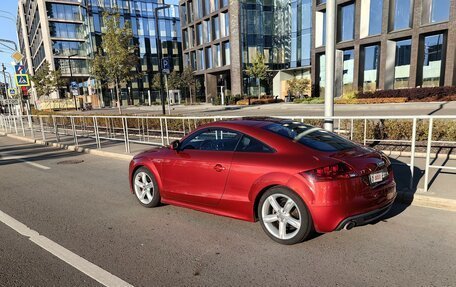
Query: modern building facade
[64,31]
[381,44]
[387,44]
[221,37]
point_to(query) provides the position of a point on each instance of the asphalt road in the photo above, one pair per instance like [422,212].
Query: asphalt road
[87,208]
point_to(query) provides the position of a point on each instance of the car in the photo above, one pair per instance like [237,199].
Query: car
[294,178]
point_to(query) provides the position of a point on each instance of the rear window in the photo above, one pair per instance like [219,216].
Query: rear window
[311,136]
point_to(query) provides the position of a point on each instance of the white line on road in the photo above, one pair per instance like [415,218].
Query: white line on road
[18,158]
[86,267]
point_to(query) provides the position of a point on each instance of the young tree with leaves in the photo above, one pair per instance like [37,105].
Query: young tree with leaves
[189,81]
[258,70]
[47,81]
[117,61]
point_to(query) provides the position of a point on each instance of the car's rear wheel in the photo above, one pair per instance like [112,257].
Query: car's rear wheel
[284,216]
[146,188]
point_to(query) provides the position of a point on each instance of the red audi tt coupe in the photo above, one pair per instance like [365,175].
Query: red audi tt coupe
[292,177]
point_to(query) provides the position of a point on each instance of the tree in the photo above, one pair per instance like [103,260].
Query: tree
[189,81]
[258,70]
[47,81]
[156,82]
[174,81]
[117,61]
[299,87]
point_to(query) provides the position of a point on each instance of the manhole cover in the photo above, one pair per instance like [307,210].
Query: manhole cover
[71,161]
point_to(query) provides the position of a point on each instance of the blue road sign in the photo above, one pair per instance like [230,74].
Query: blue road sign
[20,69]
[166,65]
[22,80]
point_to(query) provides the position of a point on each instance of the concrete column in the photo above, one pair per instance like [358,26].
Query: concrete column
[235,48]
[415,66]
[45,31]
[450,66]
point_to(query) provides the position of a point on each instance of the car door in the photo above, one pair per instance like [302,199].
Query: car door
[198,171]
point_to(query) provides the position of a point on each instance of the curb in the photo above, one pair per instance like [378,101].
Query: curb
[72,148]
[426,201]
[403,196]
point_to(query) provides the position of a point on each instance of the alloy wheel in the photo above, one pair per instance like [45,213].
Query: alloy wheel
[144,187]
[281,216]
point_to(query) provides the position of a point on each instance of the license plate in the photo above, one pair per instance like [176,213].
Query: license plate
[376,177]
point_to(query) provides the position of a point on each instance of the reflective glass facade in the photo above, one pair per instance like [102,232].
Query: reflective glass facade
[432,50]
[435,11]
[348,71]
[346,23]
[402,64]
[140,14]
[375,17]
[371,67]
[402,14]
[280,29]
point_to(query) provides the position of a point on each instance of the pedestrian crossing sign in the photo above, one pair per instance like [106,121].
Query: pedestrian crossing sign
[22,80]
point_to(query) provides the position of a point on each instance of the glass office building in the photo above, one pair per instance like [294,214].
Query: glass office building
[71,30]
[388,45]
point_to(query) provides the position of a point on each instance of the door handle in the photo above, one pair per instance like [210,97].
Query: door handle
[219,168]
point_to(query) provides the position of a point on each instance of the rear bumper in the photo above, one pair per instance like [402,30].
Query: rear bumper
[365,218]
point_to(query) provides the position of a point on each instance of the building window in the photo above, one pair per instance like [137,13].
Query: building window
[402,15]
[321,74]
[200,59]
[370,69]
[199,34]
[226,54]
[217,56]
[320,29]
[346,23]
[348,71]
[402,64]
[321,2]
[435,11]
[207,31]
[432,50]
[209,63]
[375,17]
[216,28]
[225,24]
[198,7]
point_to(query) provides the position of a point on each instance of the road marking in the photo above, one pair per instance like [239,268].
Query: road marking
[18,158]
[86,267]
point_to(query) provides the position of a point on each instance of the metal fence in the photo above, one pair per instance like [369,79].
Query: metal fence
[159,131]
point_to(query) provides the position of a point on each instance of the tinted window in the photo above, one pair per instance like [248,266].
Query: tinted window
[213,140]
[249,144]
[310,136]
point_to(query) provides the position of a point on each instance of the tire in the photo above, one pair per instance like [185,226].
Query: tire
[147,194]
[284,216]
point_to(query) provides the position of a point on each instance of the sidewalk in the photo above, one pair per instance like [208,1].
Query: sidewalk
[287,109]
[440,195]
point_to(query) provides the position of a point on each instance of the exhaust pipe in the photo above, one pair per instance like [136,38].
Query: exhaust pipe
[349,225]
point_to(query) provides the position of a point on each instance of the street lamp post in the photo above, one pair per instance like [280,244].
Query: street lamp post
[71,79]
[330,52]
[159,49]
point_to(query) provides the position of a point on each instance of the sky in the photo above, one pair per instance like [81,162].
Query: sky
[7,31]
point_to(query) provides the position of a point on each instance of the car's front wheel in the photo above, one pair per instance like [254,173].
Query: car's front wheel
[146,188]
[284,216]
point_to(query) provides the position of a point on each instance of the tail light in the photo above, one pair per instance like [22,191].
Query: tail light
[334,171]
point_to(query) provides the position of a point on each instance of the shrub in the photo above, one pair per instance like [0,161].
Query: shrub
[413,94]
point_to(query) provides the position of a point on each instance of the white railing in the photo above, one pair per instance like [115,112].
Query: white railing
[160,131]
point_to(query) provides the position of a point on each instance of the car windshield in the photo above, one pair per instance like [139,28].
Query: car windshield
[311,136]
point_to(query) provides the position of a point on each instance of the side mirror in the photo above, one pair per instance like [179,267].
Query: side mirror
[175,145]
